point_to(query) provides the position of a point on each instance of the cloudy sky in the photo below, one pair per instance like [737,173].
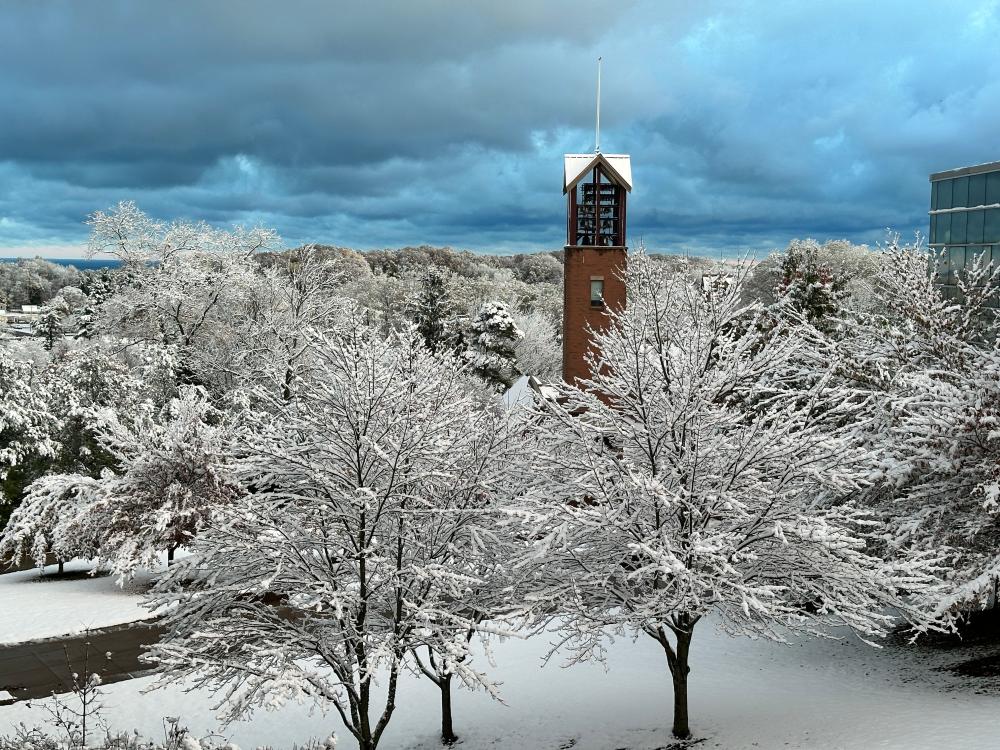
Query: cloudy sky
[381,124]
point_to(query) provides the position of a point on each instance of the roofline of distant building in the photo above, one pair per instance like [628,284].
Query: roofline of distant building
[963,171]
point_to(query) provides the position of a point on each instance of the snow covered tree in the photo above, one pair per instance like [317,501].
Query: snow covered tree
[97,376]
[34,281]
[299,290]
[100,286]
[164,485]
[702,472]
[434,313]
[810,285]
[386,299]
[54,519]
[492,341]
[538,352]
[27,427]
[538,268]
[60,397]
[850,267]
[49,325]
[24,419]
[168,482]
[181,285]
[931,369]
[338,559]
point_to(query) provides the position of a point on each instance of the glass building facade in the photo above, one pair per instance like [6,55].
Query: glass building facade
[965,219]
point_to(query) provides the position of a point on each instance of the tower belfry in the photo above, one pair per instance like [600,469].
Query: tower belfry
[596,186]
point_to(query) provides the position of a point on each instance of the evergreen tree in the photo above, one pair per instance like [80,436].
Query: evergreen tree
[97,288]
[493,339]
[435,313]
[50,325]
[810,285]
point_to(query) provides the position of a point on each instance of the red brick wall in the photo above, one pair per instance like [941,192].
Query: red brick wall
[579,265]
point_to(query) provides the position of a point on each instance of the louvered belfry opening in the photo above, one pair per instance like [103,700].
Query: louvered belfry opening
[598,208]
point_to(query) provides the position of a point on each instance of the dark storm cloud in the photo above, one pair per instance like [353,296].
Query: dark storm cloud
[386,123]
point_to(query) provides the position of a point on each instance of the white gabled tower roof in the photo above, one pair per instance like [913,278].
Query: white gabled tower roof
[575,166]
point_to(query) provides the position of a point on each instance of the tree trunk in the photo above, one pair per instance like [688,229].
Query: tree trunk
[170,555]
[60,567]
[677,660]
[447,728]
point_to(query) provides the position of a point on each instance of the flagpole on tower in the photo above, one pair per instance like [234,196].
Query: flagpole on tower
[597,129]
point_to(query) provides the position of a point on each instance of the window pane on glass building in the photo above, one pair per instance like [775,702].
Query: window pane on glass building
[944,194]
[976,223]
[944,228]
[959,221]
[992,188]
[964,224]
[977,190]
[960,192]
[991,231]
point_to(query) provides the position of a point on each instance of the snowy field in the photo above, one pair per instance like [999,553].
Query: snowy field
[36,607]
[823,695]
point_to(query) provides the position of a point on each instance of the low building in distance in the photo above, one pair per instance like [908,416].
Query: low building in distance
[20,321]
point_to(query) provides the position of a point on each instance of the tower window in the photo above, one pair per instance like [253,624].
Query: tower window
[598,211]
[597,292]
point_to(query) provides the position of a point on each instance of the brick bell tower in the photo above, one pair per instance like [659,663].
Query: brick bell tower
[596,186]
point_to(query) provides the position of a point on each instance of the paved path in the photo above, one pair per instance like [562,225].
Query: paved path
[38,669]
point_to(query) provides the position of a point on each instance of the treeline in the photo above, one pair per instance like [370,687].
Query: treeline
[34,281]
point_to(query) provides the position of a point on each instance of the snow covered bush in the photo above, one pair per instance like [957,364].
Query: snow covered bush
[24,737]
[362,533]
[706,469]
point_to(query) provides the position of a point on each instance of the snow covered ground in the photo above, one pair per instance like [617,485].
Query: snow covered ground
[820,695]
[33,606]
